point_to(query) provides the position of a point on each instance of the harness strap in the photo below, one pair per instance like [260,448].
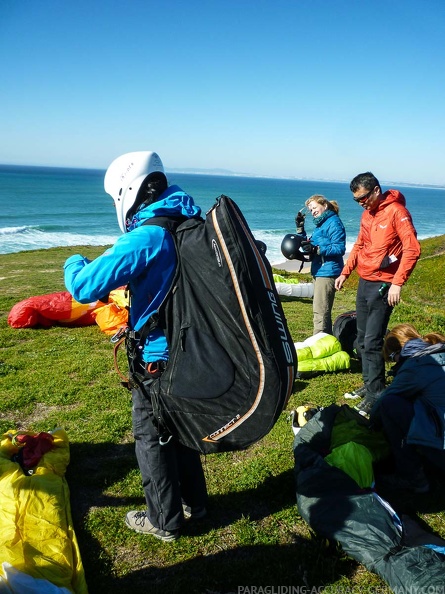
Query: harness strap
[127,336]
[116,348]
[155,368]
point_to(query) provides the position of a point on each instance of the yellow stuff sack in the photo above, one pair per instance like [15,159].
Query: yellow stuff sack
[36,529]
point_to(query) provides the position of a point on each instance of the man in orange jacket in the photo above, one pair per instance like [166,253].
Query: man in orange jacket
[385,254]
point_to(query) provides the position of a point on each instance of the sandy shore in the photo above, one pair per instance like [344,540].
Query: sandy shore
[294,265]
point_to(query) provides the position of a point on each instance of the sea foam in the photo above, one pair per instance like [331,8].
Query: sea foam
[13,239]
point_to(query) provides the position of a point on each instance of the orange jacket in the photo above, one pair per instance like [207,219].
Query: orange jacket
[386,231]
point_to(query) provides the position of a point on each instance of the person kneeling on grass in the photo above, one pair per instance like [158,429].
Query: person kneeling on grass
[412,408]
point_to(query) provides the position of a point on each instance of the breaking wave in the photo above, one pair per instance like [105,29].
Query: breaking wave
[18,239]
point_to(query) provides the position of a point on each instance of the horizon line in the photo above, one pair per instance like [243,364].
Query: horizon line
[229,173]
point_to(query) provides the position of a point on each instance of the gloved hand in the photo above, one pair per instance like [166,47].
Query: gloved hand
[299,223]
[299,219]
[308,248]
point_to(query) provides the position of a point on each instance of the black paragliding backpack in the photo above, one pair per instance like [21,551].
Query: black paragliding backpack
[232,361]
[345,330]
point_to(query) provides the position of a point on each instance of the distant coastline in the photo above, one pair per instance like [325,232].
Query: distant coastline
[225,173]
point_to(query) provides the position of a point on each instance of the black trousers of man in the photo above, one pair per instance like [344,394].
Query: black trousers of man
[373,313]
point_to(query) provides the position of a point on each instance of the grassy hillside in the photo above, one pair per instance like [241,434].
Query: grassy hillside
[253,534]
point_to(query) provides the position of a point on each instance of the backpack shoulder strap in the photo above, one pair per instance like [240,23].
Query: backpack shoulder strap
[171,224]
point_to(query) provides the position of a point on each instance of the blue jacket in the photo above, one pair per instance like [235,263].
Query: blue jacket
[330,237]
[144,258]
[421,379]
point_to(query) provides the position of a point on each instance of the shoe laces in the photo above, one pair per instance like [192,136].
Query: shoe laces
[139,518]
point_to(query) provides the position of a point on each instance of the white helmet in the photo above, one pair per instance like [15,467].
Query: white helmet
[124,178]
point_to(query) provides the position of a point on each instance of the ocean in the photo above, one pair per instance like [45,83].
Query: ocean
[43,207]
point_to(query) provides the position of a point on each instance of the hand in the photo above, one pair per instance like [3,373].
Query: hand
[308,248]
[299,224]
[339,281]
[393,296]
[299,219]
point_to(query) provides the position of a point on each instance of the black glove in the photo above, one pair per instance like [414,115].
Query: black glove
[299,223]
[299,219]
[308,248]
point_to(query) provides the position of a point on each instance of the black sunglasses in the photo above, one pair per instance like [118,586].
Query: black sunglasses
[364,198]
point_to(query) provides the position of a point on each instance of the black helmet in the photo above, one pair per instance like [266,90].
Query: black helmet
[261,245]
[290,247]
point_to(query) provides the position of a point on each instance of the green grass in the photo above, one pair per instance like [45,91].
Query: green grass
[253,535]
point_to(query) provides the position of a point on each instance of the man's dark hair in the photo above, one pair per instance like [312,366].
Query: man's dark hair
[367,180]
[151,189]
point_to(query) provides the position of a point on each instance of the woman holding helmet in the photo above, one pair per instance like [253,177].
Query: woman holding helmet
[326,248]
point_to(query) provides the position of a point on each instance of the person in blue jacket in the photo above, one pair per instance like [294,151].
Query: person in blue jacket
[144,257]
[412,408]
[326,247]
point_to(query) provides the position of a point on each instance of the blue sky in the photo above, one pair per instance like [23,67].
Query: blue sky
[322,89]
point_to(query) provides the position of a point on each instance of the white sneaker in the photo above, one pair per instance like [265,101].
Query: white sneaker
[138,521]
[359,393]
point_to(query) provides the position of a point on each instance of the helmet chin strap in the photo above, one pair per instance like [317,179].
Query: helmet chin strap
[153,186]
[135,209]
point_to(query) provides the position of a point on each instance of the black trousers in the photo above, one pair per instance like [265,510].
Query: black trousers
[373,313]
[172,474]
